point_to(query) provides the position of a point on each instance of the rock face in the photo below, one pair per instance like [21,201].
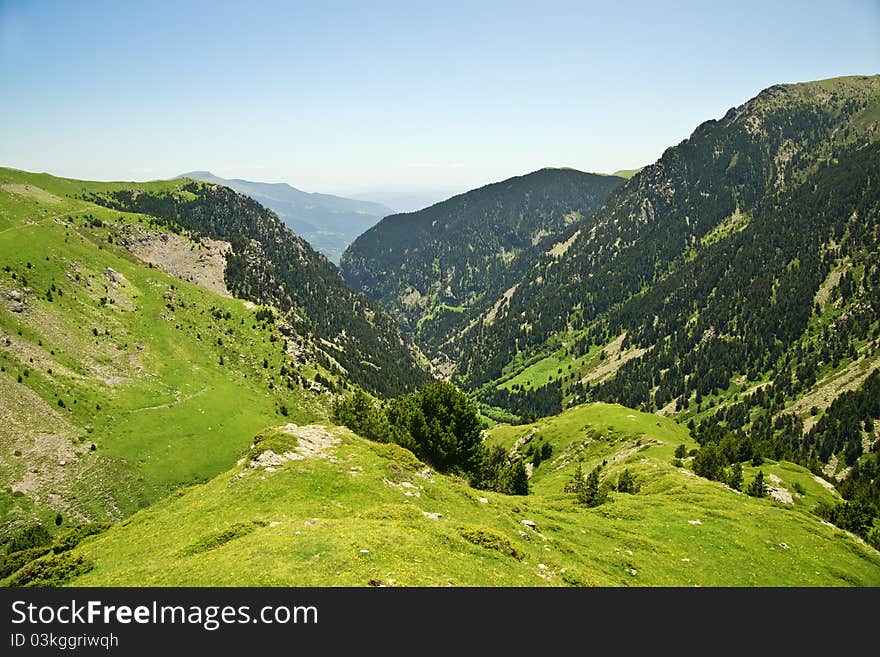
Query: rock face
[312,441]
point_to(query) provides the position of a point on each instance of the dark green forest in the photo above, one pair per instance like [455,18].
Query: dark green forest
[268,264]
[439,267]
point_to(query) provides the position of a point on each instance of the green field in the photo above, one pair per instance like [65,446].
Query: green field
[163,377]
[345,519]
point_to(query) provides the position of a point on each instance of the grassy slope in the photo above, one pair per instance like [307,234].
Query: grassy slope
[320,514]
[627,173]
[147,390]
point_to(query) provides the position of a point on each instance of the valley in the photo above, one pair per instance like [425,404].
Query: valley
[665,377]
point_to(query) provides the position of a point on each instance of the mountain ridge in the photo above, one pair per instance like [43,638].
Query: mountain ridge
[326,221]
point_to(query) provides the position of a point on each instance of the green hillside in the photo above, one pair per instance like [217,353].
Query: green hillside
[627,173]
[120,381]
[438,268]
[356,513]
[735,283]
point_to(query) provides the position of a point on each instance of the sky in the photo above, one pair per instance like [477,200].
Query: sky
[358,97]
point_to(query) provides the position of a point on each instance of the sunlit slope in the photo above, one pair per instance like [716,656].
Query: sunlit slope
[356,513]
[119,381]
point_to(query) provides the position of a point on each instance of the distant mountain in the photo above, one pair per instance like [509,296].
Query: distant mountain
[329,223]
[406,201]
[435,267]
[627,173]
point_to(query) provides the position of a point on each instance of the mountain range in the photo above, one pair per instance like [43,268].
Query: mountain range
[668,377]
[328,223]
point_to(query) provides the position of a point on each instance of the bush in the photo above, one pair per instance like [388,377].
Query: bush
[588,490]
[54,570]
[680,451]
[735,476]
[29,535]
[626,483]
[443,425]
[71,538]
[361,415]
[9,563]
[497,473]
[873,537]
[709,462]
[490,539]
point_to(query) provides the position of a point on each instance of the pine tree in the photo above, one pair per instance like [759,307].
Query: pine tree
[757,488]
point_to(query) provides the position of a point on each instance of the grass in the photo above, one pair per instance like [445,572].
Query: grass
[163,377]
[627,173]
[345,521]
[133,367]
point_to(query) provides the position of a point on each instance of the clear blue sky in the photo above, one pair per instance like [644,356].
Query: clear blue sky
[357,96]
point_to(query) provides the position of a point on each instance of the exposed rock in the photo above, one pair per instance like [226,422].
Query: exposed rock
[432,516]
[531,524]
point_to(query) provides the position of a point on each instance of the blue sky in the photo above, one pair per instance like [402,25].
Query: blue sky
[351,97]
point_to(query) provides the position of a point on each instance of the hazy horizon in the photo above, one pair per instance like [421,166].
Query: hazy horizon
[394,98]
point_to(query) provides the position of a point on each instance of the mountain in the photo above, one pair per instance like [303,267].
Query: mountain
[141,350]
[350,512]
[434,267]
[627,173]
[406,201]
[329,223]
[735,282]
[679,387]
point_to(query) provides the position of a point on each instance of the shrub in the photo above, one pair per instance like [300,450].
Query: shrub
[53,570]
[873,537]
[71,538]
[490,539]
[496,472]
[735,476]
[588,490]
[361,415]
[26,536]
[626,482]
[680,451]
[9,563]
[709,462]
[443,426]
